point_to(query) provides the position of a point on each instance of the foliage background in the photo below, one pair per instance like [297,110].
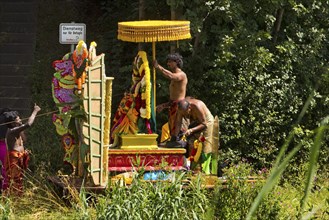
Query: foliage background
[254,63]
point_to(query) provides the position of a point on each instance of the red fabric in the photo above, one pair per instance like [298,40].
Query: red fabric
[172,116]
[18,162]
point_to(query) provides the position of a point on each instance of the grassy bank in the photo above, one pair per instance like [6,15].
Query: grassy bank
[230,199]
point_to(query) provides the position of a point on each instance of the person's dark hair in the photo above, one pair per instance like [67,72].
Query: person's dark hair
[10,117]
[3,126]
[176,58]
[183,105]
[4,110]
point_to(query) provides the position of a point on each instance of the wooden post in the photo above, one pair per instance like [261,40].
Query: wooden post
[154,77]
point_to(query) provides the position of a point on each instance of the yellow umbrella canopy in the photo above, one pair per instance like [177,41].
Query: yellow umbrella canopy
[153,31]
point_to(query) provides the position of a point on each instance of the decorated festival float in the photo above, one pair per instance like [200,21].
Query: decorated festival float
[96,149]
[82,93]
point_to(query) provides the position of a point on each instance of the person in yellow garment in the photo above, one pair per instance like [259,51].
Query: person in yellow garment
[18,156]
[201,123]
[177,87]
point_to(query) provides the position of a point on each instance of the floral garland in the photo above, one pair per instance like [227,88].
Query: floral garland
[197,149]
[146,86]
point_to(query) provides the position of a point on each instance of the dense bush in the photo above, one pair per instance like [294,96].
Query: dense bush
[255,64]
[233,198]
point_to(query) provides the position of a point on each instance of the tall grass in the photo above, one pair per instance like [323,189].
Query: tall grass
[154,200]
[43,200]
[282,162]
[38,199]
[5,208]
[184,197]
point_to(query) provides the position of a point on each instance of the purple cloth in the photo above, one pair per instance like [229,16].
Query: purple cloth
[3,158]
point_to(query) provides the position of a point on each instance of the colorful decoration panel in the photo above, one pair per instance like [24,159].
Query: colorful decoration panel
[67,90]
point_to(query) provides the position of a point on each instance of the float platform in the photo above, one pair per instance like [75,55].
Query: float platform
[125,160]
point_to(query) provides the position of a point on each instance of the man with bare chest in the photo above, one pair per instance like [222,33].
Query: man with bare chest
[177,87]
[201,124]
[17,155]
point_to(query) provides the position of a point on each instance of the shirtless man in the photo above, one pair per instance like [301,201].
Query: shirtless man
[201,123]
[177,87]
[18,156]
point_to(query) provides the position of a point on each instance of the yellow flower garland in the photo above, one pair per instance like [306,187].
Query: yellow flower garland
[197,145]
[146,93]
[197,149]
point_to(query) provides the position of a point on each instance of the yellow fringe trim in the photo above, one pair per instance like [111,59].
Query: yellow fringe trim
[152,31]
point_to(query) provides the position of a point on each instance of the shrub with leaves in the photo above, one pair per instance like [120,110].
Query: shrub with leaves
[159,200]
[233,198]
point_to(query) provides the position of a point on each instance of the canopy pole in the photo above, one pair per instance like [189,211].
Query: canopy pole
[154,78]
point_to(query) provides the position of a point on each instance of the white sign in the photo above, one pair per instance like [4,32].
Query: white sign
[72,33]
